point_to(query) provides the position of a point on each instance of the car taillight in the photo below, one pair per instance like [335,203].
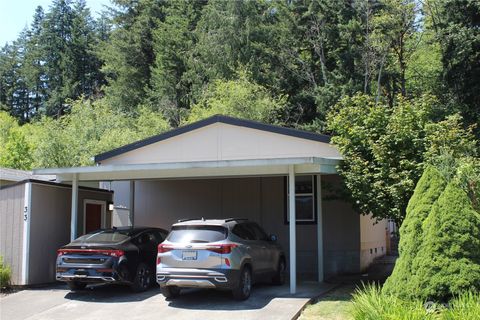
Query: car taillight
[158,260]
[222,248]
[108,252]
[162,248]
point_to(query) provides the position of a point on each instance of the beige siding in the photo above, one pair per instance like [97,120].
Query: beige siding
[220,141]
[161,203]
[373,240]
[11,229]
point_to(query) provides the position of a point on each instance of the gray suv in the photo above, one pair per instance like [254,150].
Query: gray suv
[229,254]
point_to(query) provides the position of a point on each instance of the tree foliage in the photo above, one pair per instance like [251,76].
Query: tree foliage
[384,148]
[72,140]
[238,98]
[15,151]
[456,24]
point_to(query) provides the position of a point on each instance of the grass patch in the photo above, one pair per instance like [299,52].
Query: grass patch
[334,305]
[370,303]
[5,274]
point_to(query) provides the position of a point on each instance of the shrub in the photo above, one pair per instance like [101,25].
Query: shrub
[5,274]
[427,191]
[371,304]
[448,261]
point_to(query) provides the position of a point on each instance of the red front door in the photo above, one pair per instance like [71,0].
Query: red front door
[93,217]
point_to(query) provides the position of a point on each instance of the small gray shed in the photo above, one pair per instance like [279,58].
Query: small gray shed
[35,222]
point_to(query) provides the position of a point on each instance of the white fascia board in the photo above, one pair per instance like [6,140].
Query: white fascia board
[195,169]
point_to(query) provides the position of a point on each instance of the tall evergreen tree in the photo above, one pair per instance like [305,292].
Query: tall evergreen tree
[32,69]
[129,55]
[174,41]
[457,25]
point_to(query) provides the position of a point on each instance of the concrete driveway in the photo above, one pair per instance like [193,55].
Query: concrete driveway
[118,302]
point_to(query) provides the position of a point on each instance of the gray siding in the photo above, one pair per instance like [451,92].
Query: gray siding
[261,199]
[49,230]
[11,229]
[50,226]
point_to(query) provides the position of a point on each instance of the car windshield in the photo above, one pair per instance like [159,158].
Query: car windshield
[197,234]
[109,236]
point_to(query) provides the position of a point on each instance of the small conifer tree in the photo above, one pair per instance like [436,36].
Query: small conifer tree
[448,261]
[428,189]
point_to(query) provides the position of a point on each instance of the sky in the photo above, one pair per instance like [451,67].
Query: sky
[16,14]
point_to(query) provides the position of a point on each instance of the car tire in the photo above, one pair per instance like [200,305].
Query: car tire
[279,277]
[244,286]
[143,278]
[75,285]
[170,292]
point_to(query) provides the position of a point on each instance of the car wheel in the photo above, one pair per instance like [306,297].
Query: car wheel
[75,285]
[244,287]
[170,292]
[279,277]
[143,278]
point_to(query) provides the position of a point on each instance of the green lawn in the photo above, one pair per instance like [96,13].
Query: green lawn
[332,306]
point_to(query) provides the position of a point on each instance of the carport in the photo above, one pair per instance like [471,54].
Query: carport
[219,148]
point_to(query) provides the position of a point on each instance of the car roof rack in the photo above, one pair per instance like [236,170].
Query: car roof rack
[235,219]
[189,219]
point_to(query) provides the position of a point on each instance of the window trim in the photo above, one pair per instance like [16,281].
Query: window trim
[285,202]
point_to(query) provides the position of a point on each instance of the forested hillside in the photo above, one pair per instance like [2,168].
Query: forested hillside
[396,81]
[167,55]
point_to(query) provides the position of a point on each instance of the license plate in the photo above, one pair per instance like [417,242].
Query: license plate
[189,255]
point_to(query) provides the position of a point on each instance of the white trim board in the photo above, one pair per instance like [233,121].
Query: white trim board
[27,217]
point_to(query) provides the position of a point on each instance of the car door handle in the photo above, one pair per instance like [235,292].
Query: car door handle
[263,247]
[247,247]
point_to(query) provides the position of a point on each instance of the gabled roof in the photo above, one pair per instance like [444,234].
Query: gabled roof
[214,119]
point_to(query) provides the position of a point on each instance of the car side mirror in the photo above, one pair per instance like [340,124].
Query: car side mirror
[272,238]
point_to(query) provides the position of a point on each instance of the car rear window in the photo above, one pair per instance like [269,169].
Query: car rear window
[197,234]
[108,236]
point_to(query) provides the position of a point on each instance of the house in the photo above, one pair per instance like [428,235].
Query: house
[282,178]
[35,222]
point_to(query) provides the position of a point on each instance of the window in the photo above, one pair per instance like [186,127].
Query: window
[242,231]
[305,200]
[197,234]
[104,236]
[259,233]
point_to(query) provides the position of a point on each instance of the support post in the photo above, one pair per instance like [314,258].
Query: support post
[292,225]
[132,202]
[74,212]
[319,228]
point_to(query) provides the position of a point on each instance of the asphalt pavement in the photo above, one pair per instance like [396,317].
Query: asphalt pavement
[118,302]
